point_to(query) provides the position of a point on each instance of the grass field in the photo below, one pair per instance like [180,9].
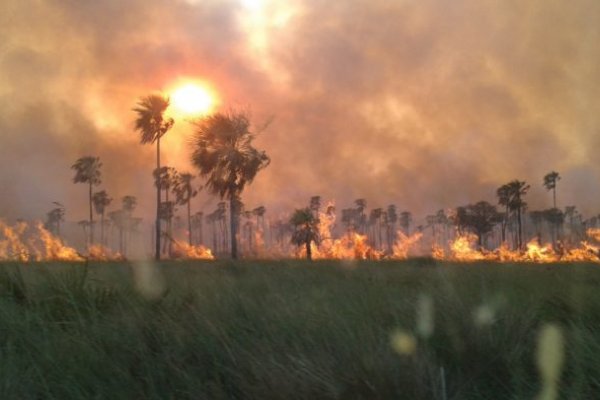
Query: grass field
[293,330]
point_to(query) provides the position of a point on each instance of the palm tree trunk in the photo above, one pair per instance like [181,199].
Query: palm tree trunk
[308,251]
[102,228]
[91,218]
[121,246]
[554,195]
[520,231]
[157,243]
[200,232]
[233,217]
[189,215]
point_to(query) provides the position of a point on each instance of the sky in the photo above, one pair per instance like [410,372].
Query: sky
[423,104]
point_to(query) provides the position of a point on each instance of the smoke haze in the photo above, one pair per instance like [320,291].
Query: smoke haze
[424,104]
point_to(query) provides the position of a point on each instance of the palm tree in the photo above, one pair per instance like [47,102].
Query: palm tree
[550,183]
[480,218]
[184,193]
[84,224]
[197,225]
[259,213]
[101,201]
[128,204]
[392,216]
[536,218]
[306,230]
[555,219]
[516,190]
[315,205]
[405,220]
[165,177]
[361,206]
[503,194]
[224,153]
[152,125]
[117,219]
[54,218]
[87,170]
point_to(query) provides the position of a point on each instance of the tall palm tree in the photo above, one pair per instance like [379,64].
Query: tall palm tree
[315,205]
[517,190]
[165,177]
[259,213]
[117,219]
[555,219]
[480,218]
[184,193]
[55,217]
[306,230]
[392,216]
[536,218]
[197,225]
[152,126]
[361,206]
[550,181]
[503,194]
[87,170]
[223,152]
[405,220]
[101,201]
[128,204]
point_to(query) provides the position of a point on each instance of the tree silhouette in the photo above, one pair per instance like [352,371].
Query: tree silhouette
[118,219]
[315,205]
[503,194]
[223,152]
[184,193]
[259,213]
[536,218]
[165,177]
[392,219]
[516,190]
[360,215]
[152,126]
[306,230]
[480,218]
[197,225]
[555,219]
[128,204]
[405,220]
[101,201]
[87,170]
[550,180]
[54,218]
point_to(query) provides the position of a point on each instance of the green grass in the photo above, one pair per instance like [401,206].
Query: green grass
[290,330]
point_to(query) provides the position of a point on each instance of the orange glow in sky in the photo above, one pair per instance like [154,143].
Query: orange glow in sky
[191,100]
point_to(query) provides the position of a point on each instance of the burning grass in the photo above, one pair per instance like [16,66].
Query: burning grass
[291,329]
[23,242]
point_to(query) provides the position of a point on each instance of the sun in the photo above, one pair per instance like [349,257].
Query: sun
[191,99]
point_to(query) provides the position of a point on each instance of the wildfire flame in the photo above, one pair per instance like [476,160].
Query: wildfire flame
[182,250]
[100,253]
[462,250]
[354,246]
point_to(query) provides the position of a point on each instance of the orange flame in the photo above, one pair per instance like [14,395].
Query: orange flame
[100,253]
[54,249]
[404,244]
[184,251]
[462,250]
[354,246]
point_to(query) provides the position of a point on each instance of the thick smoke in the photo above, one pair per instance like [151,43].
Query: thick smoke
[423,104]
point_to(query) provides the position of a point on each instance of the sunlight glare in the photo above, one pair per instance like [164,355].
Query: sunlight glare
[191,99]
